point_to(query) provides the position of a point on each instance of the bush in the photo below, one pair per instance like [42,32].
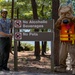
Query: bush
[24,47]
[28,47]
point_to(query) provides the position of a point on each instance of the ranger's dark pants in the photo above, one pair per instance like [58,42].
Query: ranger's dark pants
[4,51]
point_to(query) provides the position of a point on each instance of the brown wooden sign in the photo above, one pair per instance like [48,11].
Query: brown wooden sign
[33,36]
[33,24]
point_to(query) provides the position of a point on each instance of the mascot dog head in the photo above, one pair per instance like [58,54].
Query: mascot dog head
[65,13]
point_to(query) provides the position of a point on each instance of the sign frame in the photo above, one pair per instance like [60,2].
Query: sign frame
[35,36]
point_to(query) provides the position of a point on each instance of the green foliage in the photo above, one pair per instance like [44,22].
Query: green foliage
[24,46]
[25,8]
[62,1]
[27,46]
[12,43]
[44,8]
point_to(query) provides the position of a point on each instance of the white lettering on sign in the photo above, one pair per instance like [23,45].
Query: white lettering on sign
[33,34]
[25,34]
[24,21]
[32,26]
[38,21]
[30,34]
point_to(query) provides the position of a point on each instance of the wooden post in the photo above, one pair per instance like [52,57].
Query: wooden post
[55,5]
[15,42]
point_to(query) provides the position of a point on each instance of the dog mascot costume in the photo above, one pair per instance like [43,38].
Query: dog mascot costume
[66,26]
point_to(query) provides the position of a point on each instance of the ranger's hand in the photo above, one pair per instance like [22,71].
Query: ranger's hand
[10,35]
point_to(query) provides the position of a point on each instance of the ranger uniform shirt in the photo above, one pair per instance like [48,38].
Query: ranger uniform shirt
[5,26]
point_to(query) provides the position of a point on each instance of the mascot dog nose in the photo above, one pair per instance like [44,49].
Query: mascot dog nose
[65,21]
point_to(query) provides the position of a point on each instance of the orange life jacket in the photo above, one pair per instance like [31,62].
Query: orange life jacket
[67,33]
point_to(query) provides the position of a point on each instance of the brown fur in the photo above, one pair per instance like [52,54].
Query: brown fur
[64,12]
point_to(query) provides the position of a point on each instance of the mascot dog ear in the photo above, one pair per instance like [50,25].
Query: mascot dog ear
[71,8]
[61,6]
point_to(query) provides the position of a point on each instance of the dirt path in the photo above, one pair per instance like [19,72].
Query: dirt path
[27,62]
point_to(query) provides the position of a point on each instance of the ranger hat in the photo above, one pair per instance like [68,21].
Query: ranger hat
[4,10]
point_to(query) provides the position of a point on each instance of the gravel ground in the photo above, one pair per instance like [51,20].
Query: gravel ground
[27,62]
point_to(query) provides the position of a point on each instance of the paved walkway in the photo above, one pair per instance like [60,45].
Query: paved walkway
[26,73]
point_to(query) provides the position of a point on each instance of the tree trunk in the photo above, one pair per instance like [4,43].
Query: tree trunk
[55,5]
[44,43]
[35,16]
